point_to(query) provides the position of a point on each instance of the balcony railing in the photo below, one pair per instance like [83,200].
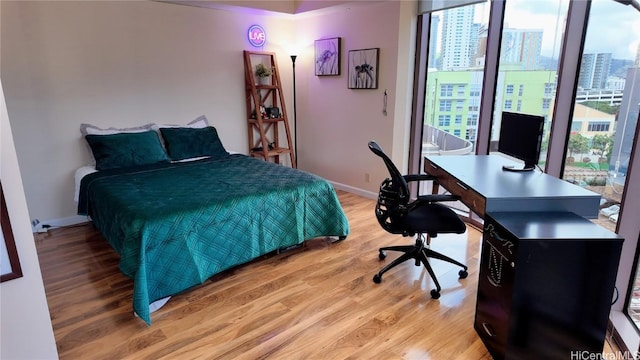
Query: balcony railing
[439,142]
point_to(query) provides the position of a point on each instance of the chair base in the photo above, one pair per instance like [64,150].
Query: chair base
[420,254]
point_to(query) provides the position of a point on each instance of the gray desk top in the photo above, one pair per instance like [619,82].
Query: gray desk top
[484,174]
[551,225]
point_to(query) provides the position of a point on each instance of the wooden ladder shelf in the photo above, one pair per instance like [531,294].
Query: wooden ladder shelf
[266,110]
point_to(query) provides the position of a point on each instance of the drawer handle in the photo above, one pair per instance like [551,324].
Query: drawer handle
[433,165]
[462,186]
[488,329]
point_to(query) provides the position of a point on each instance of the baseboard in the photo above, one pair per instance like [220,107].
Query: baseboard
[43,226]
[354,190]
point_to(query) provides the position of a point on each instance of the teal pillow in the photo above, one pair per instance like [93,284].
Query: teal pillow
[126,150]
[184,143]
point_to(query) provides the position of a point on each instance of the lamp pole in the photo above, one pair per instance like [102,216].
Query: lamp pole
[295,120]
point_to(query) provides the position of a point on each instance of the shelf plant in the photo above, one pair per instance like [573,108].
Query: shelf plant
[262,71]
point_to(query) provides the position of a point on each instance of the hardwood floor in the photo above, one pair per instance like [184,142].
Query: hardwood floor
[313,302]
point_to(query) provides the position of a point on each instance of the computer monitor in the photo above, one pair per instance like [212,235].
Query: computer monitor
[521,138]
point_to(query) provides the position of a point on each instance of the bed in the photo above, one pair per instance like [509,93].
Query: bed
[176,223]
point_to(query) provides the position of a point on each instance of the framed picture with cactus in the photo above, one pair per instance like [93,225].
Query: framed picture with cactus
[363,68]
[327,57]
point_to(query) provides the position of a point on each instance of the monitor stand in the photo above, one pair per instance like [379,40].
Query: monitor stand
[515,169]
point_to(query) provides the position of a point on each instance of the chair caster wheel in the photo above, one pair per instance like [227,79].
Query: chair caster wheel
[382,255]
[435,294]
[463,274]
[377,278]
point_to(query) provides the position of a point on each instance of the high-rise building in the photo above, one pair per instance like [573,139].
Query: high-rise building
[521,47]
[433,41]
[594,70]
[457,28]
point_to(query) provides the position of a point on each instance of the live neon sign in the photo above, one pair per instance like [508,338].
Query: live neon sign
[257,36]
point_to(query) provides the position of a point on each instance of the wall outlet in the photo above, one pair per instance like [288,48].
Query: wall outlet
[367,177]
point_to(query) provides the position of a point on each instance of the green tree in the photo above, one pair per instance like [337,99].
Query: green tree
[578,144]
[601,106]
[603,144]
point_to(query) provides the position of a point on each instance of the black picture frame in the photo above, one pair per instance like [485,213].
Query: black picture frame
[8,246]
[327,56]
[363,68]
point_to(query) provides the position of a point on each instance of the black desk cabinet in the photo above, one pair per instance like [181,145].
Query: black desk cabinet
[546,283]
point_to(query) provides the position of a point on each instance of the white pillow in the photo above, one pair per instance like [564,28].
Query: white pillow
[199,123]
[87,129]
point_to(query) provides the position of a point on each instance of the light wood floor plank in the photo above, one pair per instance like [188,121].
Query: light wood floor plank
[313,302]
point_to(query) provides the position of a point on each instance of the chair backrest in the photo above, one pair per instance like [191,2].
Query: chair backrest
[398,182]
[393,196]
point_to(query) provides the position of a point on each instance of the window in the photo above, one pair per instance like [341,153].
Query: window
[454,68]
[470,134]
[598,126]
[507,104]
[446,90]
[509,90]
[445,105]
[595,143]
[529,53]
[472,120]
[549,89]
[444,120]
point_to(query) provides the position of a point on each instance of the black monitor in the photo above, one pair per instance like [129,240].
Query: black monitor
[521,138]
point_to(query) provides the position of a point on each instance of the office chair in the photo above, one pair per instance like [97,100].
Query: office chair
[397,214]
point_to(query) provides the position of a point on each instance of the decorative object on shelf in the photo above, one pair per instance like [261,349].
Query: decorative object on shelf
[363,68]
[263,73]
[327,56]
[272,112]
[10,263]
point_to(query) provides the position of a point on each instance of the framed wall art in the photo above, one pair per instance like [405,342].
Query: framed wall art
[9,262]
[327,57]
[363,68]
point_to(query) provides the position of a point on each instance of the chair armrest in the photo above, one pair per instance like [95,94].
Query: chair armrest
[419,177]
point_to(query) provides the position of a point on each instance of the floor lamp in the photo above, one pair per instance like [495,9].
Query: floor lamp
[295,122]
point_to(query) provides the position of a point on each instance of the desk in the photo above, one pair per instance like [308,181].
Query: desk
[546,274]
[484,187]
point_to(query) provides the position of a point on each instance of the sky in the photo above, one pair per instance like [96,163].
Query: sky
[613,27]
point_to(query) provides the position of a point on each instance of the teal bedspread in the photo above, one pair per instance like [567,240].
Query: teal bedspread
[176,225]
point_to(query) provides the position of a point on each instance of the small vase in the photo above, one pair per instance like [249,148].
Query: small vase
[264,80]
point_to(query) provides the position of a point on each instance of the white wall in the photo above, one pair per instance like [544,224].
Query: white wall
[131,63]
[118,63]
[25,327]
[336,123]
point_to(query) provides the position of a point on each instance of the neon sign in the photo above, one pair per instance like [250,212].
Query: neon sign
[257,36]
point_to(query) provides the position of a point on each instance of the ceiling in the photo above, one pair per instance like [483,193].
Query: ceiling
[272,7]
